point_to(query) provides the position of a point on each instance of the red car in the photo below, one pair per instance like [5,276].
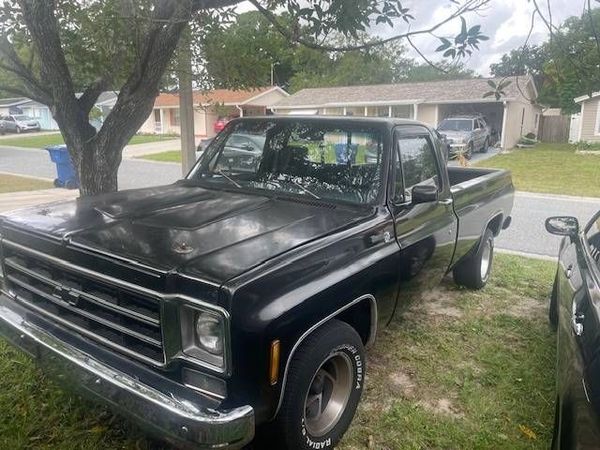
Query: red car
[220,124]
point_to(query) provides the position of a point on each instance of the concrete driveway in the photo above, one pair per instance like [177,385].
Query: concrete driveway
[526,234]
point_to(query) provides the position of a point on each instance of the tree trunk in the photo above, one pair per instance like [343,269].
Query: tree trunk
[98,170]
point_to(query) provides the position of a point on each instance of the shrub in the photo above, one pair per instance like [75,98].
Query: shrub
[531,136]
[587,146]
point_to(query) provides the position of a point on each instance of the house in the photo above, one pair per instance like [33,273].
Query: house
[11,105]
[40,112]
[208,107]
[513,116]
[588,129]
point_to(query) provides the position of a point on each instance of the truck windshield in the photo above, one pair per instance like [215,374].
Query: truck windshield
[322,161]
[456,125]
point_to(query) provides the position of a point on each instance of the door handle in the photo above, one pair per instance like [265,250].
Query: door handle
[569,271]
[577,320]
[446,201]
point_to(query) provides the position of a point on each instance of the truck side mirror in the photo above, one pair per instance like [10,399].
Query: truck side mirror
[424,193]
[562,226]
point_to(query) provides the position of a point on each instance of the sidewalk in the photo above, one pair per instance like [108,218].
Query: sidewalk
[134,151]
[17,200]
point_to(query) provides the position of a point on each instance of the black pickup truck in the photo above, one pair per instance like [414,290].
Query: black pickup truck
[245,294]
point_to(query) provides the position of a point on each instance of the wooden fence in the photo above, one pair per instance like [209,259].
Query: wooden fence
[554,129]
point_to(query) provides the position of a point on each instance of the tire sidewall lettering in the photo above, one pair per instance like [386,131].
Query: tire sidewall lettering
[359,370]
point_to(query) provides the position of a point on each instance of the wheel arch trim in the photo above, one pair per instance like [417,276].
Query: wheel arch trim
[309,331]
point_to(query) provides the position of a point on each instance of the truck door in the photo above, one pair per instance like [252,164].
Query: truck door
[421,204]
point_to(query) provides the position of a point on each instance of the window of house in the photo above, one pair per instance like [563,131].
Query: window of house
[175,118]
[402,111]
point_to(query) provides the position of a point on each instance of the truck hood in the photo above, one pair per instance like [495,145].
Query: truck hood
[210,234]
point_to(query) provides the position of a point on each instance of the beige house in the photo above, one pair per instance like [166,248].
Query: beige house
[208,107]
[511,117]
[589,119]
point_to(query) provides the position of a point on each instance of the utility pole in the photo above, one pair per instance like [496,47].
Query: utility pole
[273,64]
[186,103]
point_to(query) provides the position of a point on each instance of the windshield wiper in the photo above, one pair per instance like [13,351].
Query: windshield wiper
[298,185]
[231,180]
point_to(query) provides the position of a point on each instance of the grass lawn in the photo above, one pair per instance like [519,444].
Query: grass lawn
[56,138]
[14,183]
[551,168]
[457,369]
[168,156]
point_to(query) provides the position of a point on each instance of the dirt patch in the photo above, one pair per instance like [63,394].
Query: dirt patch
[402,382]
[526,307]
[439,302]
[442,406]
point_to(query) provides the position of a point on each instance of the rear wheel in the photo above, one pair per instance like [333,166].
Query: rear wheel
[474,272]
[323,388]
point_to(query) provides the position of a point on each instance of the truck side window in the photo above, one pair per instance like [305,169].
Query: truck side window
[418,165]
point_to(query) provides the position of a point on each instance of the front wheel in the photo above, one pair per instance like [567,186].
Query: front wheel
[469,154]
[323,388]
[474,272]
[486,145]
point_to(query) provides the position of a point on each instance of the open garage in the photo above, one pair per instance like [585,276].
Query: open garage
[513,115]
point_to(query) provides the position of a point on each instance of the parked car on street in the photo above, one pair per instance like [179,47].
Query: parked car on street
[220,124]
[19,123]
[465,135]
[246,294]
[575,313]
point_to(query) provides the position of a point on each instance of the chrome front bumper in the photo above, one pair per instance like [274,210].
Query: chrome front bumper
[176,420]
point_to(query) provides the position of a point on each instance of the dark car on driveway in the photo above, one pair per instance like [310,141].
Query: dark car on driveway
[246,294]
[575,313]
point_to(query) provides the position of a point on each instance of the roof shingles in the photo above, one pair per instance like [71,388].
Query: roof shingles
[423,92]
[224,96]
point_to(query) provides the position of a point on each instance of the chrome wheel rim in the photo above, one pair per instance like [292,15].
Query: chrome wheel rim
[328,394]
[486,257]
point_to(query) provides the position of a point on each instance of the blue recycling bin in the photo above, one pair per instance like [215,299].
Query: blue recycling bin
[346,154]
[66,175]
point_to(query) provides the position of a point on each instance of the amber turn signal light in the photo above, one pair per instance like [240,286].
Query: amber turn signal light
[274,362]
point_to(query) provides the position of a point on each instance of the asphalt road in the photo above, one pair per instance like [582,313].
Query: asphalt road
[133,173]
[526,234]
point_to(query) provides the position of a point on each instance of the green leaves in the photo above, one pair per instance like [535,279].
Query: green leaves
[464,43]
[497,88]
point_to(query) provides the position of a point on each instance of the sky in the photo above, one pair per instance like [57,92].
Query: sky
[505,22]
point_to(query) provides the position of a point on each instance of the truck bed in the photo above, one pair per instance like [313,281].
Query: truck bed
[479,196]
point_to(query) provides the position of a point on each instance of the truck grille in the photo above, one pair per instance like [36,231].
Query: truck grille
[110,314]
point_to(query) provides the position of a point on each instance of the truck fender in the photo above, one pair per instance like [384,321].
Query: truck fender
[372,334]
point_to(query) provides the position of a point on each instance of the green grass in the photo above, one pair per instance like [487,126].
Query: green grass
[464,369]
[456,369]
[168,156]
[56,139]
[551,168]
[14,183]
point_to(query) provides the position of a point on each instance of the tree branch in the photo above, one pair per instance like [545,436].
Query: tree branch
[43,28]
[427,60]
[16,66]
[91,94]
[469,6]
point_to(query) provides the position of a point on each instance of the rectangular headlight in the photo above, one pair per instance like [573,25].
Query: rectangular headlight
[205,336]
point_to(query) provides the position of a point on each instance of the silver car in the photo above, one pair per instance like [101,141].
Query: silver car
[19,123]
[465,135]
